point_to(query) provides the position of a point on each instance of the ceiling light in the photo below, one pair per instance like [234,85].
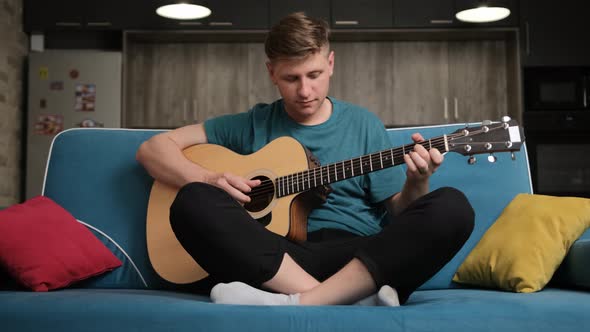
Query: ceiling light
[481,11]
[184,11]
[483,14]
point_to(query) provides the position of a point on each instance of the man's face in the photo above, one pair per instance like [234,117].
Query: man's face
[303,83]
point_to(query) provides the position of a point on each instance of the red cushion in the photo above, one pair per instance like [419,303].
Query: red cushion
[43,246]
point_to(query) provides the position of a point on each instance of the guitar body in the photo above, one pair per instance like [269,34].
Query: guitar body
[286,216]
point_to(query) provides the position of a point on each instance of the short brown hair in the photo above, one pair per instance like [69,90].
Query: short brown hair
[296,36]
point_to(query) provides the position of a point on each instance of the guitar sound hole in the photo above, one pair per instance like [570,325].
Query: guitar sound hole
[261,196]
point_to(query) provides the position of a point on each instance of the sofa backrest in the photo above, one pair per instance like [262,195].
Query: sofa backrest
[93,174]
[488,186]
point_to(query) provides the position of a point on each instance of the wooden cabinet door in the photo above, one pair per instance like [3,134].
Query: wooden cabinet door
[157,86]
[53,15]
[222,83]
[363,75]
[420,83]
[77,15]
[238,14]
[313,8]
[171,85]
[423,13]
[362,14]
[477,81]
[107,14]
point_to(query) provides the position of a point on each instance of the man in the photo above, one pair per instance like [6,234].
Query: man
[352,249]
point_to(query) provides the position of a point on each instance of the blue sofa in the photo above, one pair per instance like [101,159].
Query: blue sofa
[93,174]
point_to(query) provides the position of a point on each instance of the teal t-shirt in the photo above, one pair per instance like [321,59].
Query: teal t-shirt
[350,132]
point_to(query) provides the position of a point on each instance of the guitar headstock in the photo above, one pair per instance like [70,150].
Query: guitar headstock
[490,137]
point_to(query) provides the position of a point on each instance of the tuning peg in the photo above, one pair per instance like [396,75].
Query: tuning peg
[492,158]
[472,160]
[512,155]
[506,119]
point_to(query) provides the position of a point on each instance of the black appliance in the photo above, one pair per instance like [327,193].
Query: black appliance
[558,144]
[557,88]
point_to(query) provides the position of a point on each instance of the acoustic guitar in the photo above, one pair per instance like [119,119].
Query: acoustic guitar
[293,183]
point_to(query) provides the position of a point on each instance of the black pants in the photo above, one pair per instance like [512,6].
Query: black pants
[231,246]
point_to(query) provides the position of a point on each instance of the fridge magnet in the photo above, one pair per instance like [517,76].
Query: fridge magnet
[85,97]
[89,123]
[49,124]
[43,73]
[56,85]
[74,73]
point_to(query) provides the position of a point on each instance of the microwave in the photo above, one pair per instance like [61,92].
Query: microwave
[556,88]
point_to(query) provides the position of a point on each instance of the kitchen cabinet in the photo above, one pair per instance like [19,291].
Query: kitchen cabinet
[313,8]
[238,14]
[555,33]
[225,15]
[424,82]
[42,15]
[171,85]
[441,14]
[421,84]
[74,15]
[424,13]
[403,82]
[477,81]
[354,14]
[157,88]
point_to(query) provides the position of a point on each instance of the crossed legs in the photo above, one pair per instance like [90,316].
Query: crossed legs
[228,244]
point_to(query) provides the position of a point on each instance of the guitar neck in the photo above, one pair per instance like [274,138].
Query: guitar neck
[342,170]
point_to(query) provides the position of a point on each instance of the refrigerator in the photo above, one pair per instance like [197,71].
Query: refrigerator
[67,89]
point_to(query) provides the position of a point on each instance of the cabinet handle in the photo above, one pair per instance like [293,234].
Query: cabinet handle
[446,113]
[527,36]
[221,24]
[190,23]
[585,98]
[194,119]
[68,24]
[184,110]
[99,24]
[456,109]
[346,22]
[441,21]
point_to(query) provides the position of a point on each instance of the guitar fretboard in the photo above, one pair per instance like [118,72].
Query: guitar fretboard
[342,170]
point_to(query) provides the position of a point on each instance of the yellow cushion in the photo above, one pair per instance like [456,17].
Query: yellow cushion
[523,248]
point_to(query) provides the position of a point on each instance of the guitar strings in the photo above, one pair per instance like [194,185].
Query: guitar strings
[302,179]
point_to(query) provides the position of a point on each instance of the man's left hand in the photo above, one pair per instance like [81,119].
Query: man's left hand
[422,163]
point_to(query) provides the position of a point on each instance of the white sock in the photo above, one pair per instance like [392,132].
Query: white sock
[241,293]
[387,296]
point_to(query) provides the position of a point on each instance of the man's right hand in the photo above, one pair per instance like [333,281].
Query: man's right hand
[235,185]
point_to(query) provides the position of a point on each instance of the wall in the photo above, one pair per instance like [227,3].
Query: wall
[13,51]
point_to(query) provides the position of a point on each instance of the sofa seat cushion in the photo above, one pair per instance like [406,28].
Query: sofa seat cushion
[429,310]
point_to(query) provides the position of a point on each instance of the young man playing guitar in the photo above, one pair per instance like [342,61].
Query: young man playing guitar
[352,252]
